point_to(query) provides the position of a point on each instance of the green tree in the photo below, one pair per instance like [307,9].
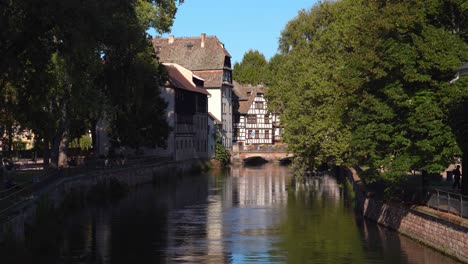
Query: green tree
[253,69]
[57,55]
[368,81]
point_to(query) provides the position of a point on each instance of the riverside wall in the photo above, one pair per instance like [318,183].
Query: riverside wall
[442,231]
[13,227]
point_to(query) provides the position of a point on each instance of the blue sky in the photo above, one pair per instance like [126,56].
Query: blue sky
[240,24]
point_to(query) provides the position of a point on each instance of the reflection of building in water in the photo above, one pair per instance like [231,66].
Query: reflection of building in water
[97,238]
[103,238]
[260,187]
[325,186]
[214,231]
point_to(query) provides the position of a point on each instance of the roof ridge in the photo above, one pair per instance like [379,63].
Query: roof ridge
[186,37]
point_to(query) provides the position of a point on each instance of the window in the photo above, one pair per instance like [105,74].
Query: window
[251,134]
[227,76]
[251,119]
[257,134]
[267,134]
[267,119]
[227,62]
[259,105]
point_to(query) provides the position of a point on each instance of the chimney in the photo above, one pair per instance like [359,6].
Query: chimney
[203,38]
[171,39]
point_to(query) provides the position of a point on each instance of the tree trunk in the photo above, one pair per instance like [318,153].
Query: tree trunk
[60,142]
[94,137]
[54,143]
[464,146]
[63,147]
[46,154]
[10,140]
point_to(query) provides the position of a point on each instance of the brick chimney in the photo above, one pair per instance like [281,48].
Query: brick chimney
[203,39]
[171,39]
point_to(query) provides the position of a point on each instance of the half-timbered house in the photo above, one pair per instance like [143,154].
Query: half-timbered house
[254,124]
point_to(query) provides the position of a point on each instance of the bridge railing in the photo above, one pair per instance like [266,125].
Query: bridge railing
[263,148]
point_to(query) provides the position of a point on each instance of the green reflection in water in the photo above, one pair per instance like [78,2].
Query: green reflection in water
[319,228]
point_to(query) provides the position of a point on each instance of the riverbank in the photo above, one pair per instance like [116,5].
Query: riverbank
[444,232]
[14,221]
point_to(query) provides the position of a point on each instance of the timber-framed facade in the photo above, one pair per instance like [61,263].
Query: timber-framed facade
[254,124]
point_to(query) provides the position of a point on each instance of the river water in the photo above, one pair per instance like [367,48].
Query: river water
[241,215]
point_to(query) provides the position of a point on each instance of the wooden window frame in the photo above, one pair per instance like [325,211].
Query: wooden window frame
[251,119]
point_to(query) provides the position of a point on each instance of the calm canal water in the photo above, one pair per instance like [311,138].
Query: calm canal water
[242,215]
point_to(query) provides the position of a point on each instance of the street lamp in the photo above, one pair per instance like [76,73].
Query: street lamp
[463,70]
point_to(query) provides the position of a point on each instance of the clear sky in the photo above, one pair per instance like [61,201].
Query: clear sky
[240,24]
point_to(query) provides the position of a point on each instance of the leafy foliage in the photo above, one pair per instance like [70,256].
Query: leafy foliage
[58,57]
[368,82]
[221,153]
[253,68]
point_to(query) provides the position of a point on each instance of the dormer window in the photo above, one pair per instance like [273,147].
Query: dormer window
[227,62]
[198,82]
[227,76]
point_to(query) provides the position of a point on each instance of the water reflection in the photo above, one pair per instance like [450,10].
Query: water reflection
[243,215]
[260,186]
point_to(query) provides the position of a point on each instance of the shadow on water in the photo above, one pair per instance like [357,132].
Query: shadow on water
[254,161]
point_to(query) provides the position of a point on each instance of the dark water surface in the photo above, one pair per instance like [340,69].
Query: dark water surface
[243,215]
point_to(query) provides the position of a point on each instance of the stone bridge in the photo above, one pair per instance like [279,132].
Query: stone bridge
[239,156]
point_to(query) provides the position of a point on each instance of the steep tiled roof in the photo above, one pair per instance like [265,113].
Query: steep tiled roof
[190,53]
[240,91]
[246,100]
[213,78]
[182,78]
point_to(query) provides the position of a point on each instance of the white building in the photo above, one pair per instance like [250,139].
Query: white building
[187,115]
[207,58]
[254,124]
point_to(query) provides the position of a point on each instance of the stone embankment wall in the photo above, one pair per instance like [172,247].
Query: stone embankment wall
[24,214]
[442,231]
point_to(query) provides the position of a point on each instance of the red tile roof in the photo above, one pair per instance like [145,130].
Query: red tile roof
[179,80]
[213,78]
[191,54]
[246,99]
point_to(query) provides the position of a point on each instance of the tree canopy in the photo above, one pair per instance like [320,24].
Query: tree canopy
[253,69]
[368,82]
[67,62]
